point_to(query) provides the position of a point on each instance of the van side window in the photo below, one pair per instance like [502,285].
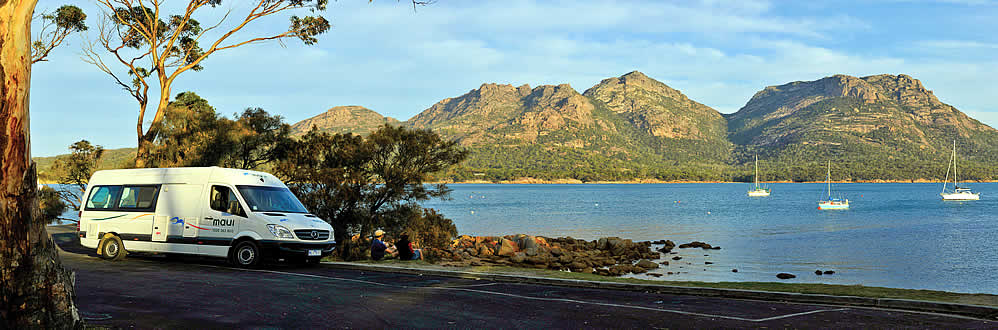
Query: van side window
[224,200]
[104,198]
[143,197]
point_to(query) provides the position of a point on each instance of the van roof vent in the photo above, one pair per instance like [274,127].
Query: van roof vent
[274,214]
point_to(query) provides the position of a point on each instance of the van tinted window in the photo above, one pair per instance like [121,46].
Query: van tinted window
[223,199]
[123,198]
[143,197]
[104,198]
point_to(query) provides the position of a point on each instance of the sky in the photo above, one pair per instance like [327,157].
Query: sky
[398,61]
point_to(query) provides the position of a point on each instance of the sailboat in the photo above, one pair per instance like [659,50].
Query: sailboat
[958,193]
[758,191]
[832,203]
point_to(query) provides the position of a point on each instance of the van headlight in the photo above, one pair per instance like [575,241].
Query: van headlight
[280,231]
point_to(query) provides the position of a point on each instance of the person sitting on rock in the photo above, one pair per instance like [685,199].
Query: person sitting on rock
[405,249]
[379,248]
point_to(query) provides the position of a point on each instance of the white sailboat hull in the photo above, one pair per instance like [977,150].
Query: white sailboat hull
[961,196]
[833,205]
[758,193]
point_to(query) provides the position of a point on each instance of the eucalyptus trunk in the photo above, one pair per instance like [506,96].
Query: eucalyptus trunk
[35,290]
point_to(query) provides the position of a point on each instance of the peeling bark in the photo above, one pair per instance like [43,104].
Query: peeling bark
[35,291]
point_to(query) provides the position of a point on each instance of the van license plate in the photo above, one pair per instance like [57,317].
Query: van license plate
[314,253]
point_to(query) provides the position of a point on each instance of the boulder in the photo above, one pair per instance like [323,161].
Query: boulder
[695,244]
[734,270]
[538,259]
[829,272]
[784,276]
[665,263]
[484,250]
[507,248]
[817,272]
[654,274]
[677,258]
[646,264]
[531,251]
[527,242]
[708,263]
[519,257]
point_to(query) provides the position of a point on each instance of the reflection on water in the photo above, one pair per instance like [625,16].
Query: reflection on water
[894,235]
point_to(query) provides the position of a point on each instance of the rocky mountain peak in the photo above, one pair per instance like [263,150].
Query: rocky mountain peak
[552,107]
[495,91]
[344,119]
[904,89]
[657,108]
[634,80]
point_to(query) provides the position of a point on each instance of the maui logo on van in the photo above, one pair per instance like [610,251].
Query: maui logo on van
[223,222]
[179,221]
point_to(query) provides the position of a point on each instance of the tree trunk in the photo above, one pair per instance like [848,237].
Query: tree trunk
[342,239]
[142,153]
[35,291]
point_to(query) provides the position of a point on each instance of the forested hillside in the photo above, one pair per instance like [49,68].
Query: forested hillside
[632,127]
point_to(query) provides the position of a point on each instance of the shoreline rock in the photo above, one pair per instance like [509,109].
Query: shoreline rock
[611,256]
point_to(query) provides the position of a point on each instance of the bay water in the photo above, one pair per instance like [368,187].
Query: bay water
[898,235]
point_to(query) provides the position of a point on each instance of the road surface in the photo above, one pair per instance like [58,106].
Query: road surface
[158,292]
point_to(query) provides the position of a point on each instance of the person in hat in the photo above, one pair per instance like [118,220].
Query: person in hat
[379,248]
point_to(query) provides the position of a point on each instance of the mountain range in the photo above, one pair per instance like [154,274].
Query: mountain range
[882,127]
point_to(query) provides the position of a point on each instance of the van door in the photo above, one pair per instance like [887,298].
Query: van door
[222,216]
[176,204]
[159,229]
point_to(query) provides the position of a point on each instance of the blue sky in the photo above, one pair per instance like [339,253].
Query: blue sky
[398,62]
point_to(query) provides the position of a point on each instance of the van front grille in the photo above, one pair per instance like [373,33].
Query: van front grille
[306,234]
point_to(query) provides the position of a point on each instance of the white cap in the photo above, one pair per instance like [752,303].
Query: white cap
[379,233]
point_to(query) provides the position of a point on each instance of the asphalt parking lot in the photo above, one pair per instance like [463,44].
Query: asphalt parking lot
[158,292]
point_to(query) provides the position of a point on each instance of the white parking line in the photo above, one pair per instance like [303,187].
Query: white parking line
[573,301]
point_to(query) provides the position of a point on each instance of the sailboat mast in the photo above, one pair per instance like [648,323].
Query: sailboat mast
[756,171]
[829,179]
[956,182]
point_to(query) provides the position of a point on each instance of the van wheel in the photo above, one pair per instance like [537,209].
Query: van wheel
[112,248]
[246,254]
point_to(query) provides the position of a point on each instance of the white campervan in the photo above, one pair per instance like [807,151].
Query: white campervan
[246,216]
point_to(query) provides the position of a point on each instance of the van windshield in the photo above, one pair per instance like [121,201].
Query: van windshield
[271,199]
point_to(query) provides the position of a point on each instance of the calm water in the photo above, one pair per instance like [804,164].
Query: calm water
[894,235]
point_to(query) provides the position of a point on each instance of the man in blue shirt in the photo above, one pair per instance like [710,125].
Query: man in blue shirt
[379,248]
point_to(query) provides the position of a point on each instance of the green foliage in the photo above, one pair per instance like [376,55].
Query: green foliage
[191,134]
[430,229]
[74,171]
[360,183]
[55,28]
[259,139]
[50,204]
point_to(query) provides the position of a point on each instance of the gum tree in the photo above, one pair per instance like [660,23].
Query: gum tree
[156,47]
[35,290]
